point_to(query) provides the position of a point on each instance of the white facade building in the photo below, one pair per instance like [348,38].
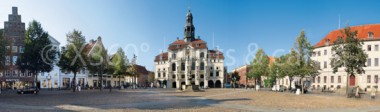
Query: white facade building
[94,80]
[189,61]
[370,35]
[51,79]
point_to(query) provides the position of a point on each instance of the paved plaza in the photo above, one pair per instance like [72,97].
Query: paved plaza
[172,100]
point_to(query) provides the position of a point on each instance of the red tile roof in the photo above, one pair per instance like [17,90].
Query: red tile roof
[162,57]
[180,44]
[89,46]
[215,54]
[141,70]
[271,59]
[362,34]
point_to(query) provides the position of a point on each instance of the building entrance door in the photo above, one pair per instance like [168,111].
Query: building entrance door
[352,80]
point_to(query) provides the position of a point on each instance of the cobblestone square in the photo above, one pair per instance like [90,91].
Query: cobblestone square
[172,100]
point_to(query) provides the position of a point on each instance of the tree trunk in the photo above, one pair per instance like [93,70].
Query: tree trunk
[347,85]
[74,81]
[101,80]
[110,86]
[290,84]
[302,86]
[246,81]
[36,80]
[119,82]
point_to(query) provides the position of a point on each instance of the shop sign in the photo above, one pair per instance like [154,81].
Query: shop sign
[10,80]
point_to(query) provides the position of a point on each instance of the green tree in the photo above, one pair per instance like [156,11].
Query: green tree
[151,77]
[273,72]
[259,66]
[73,58]
[348,53]
[287,66]
[39,55]
[119,64]
[306,67]
[98,61]
[132,70]
[3,50]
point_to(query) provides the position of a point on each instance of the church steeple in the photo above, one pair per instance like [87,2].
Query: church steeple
[189,28]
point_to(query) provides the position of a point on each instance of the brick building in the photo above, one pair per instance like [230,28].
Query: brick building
[14,33]
[243,71]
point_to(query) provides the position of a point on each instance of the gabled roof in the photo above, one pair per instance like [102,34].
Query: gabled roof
[362,34]
[180,44]
[53,40]
[162,57]
[89,46]
[141,70]
[215,54]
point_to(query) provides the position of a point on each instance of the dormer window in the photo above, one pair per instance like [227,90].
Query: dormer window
[198,45]
[178,46]
[370,35]
[327,42]
[174,56]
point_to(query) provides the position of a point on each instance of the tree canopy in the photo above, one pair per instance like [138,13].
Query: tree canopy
[259,66]
[348,54]
[3,49]
[39,54]
[119,64]
[73,58]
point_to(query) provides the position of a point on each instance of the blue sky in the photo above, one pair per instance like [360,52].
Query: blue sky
[145,27]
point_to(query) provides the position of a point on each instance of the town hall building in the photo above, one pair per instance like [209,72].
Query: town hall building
[188,61]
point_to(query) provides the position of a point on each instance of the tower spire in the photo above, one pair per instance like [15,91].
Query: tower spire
[189,27]
[339,22]
[188,4]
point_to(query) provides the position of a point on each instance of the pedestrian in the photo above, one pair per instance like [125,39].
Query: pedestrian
[79,88]
[357,92]
[373,93]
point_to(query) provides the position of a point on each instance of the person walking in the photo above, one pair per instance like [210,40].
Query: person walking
[373,93]
[79,88]
[357,95]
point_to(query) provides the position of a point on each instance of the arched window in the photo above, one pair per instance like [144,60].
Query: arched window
[202,66]
[183,66]
[173,67]
[174,55]
[202,55]
[193,65]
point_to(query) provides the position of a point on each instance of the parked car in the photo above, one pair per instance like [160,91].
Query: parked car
[228,85]
[28,90]
[293,90]
[279,88]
